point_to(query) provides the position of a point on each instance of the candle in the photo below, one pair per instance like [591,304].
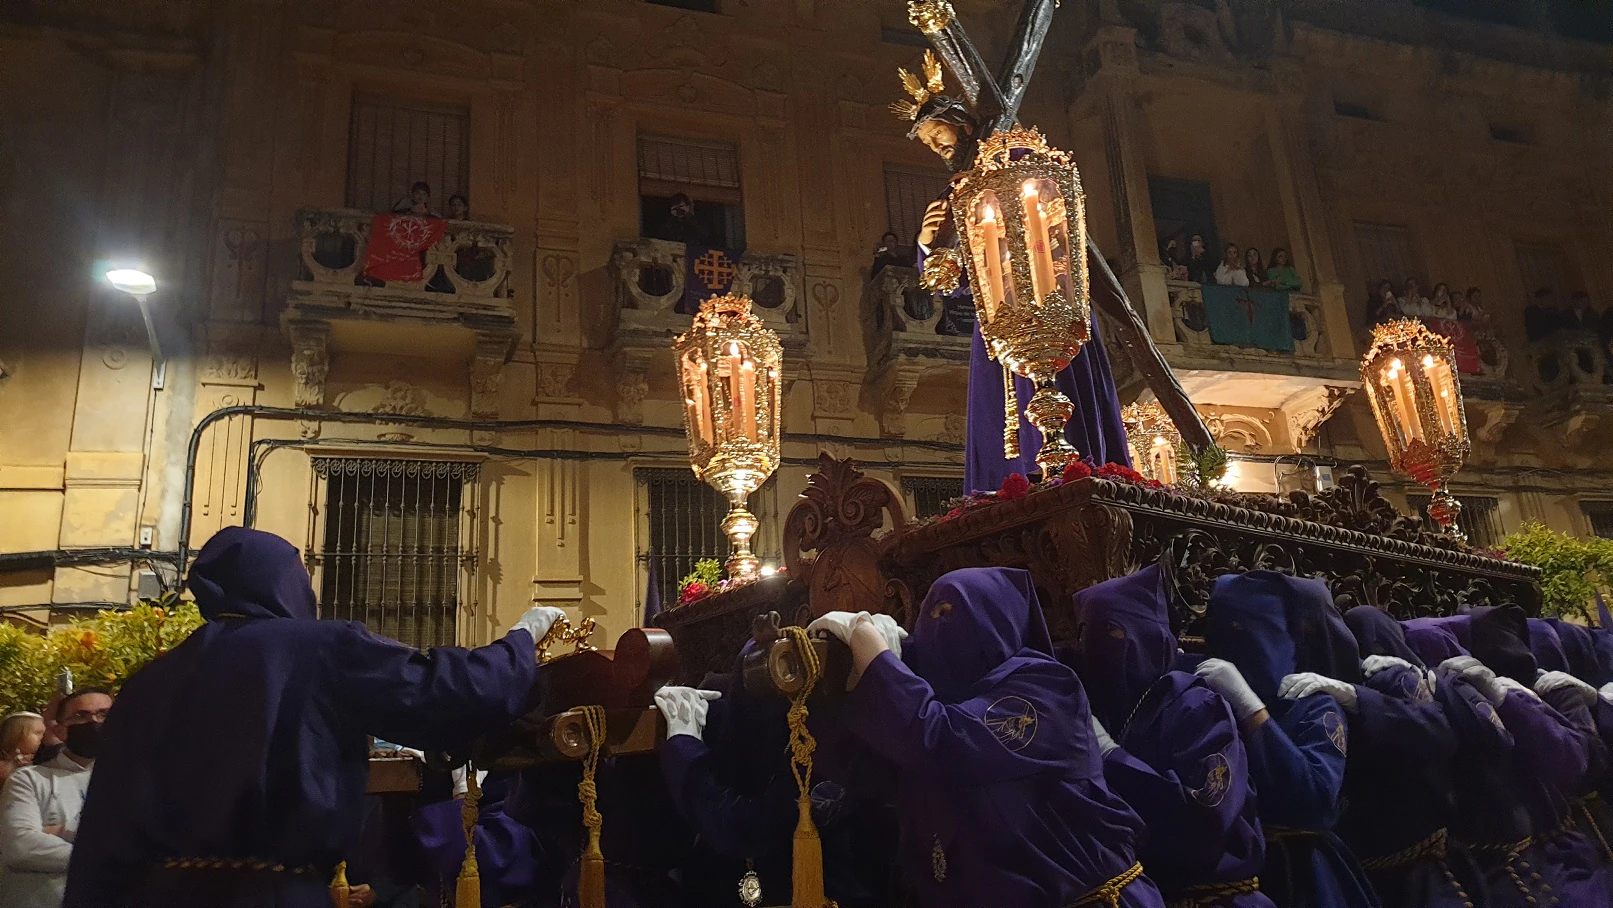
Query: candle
[747,398]
[698,400]
[1037,241]
[991,237]
[735,420]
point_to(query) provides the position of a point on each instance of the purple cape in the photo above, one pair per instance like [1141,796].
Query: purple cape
[1379,634]
[1431,641]
[1579,646]
[1546,646]
[249,739]
[1180,762]
[1000,790]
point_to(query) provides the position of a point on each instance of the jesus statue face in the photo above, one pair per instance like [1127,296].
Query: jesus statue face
[941,138]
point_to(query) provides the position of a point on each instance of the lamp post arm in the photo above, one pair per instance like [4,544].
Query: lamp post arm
[151,327]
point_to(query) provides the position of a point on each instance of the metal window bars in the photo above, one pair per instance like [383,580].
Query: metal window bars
[680,522]
[929,494]
[1480,519]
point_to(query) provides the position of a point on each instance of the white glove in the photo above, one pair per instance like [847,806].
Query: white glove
[838,624]
[1371,665]
[893,633]
[1607,692]
[1498,689]
[1225,679]
[1303,684]
[1472,669]
[685,709]
[1550,681]
[1105,743]
[537,621]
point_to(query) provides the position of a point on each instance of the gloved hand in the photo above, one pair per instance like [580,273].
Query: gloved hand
[1105,743]
[838,624]
[1500,686]
[1371,665]
[537,621]
[1303,684]
[1472,669]
[1607,692]
[894,633]
[1225,679]
[685,709]
[1550,681]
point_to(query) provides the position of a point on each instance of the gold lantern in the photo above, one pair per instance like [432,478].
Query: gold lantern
[728,367]
[1021,218]
[1153,440]
[1410,377]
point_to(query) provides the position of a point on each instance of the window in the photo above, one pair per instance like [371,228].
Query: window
[1183,208]
[394,143]
[1385,253]
[1353,110]
[1543,266]
[685,525]
[1600,516]
[928,495]
[907,193]
[1480,519]
[393,553]
[708,173]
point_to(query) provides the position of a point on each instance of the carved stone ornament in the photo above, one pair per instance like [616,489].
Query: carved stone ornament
[833,398]
[402,399]
[557,380]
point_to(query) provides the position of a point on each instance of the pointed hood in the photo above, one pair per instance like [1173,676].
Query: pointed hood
[1379,634]
[1123,641]
[1498,636]
[1547,646]
[244,573]
[1270,625]
[1580,648]
[1433,640]
[973,623]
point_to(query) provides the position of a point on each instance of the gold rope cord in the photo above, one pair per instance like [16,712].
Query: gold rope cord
[591,879]
[339,890]
[1109,893]
[807,875]
[468,889]
[1010,416]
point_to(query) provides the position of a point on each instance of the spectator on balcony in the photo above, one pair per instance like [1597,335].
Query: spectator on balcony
[1441,306]
[417,202]
[1470,307]
[1254,267]
[890,253]
[1387,304]
[458,207]
[1413,303]
[1282,275]
[681,225]
[1200,267]
[1231,271]
[1174,260]
[1541,318]
[1580,316]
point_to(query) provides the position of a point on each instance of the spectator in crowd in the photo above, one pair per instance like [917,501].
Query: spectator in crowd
[1200,267]
[1174,259]
[1470,307]
[1580,316]
[459,207]
[1254,268]
[1440,306]
[1413,303]
[417,203]
[1282,275]
[1386,306]
[1540,317]
[39,806]
[890,253]
[20,737]
[1231,271]
[681,224]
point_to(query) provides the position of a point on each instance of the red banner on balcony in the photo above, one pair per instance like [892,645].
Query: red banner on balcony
[398,244]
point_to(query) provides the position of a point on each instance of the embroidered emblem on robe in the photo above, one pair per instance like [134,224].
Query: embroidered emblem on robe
[1488,712]
[1013,721]
[1217,781]
[1336,731]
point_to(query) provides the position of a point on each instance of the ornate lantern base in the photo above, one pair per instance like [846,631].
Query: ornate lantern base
[1444,509]
[1049,410]
[740,525]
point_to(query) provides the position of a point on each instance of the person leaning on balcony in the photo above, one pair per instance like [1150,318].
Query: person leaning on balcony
[1282,275]
[458,207]
[417,202]
[1231,270]
[1254,268]
[233,771]
[1200,266]
[1413,303]
[1440,306]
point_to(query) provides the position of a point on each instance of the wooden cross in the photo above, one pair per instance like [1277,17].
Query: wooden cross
[996,102]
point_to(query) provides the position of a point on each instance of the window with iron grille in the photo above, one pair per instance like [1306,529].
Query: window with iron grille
[1600,516]
[395,142]
[1480,519]
[684,517]
[928,495]
[706,172]
[1543,266]
[1385,254]
[907,193]
[394,544]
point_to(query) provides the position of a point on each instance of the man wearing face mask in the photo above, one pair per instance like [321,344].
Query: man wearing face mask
[39,807]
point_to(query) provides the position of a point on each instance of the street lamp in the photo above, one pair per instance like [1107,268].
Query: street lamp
[140,285]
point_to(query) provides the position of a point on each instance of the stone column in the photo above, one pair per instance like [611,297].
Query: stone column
[1305,217]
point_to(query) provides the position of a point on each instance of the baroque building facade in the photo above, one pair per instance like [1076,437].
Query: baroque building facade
[505,429]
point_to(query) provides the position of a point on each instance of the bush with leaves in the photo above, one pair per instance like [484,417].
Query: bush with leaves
[103,651]
[1573,569]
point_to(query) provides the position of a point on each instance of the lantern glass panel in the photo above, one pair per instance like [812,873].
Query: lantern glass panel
[1444,388]
[697,397]
[1401,394]
[1047,237]
[737,367]
[988,240]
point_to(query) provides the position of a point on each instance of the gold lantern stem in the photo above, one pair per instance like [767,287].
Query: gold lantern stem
[740,525]
[1048,411]
[1444,508]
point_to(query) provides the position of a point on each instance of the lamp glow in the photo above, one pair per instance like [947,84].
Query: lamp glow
[132,281]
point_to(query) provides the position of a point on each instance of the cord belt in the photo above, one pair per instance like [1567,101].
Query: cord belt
[1205,895]
[1109,893]
[1432,847]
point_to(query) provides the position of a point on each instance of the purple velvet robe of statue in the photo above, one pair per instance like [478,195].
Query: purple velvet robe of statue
[1180,762]
[249,739]
[1271,625]
[999,782]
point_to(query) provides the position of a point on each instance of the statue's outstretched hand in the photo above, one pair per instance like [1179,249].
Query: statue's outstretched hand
[935,217]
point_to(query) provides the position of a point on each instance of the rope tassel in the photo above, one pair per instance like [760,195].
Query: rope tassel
[339,890]
[807,874]
[468,890]
[591,877]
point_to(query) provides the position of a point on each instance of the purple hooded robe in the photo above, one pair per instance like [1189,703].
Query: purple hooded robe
[1271,625]
[999,782]
[1180,762]
[1579,645]
[250,739]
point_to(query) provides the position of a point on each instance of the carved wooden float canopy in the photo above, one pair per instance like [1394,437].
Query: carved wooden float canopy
[1074,535]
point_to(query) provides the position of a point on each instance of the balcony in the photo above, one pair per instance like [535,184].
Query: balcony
[916,336]
[1193,326]
[649,279]
[1570,373]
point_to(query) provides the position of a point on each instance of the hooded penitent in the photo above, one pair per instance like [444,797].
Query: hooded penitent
[248,740]
[1546,646]
[1498,636]
[1432,640]
[1123,642]
[1377,633]
[1579,646]
[1000,785]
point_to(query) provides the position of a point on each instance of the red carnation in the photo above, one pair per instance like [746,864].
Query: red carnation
[1014,487]
[694,592]
[1120,472]
[1076,469]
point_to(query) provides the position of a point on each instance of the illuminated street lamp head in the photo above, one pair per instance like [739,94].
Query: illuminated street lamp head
[132,281]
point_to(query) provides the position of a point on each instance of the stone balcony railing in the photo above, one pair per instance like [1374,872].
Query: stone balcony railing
[1193,325]
[917,335]
[466,273]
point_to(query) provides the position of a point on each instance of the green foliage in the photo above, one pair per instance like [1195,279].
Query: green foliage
[1199,470]
[103,651]
[1572,569]
[707,571]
